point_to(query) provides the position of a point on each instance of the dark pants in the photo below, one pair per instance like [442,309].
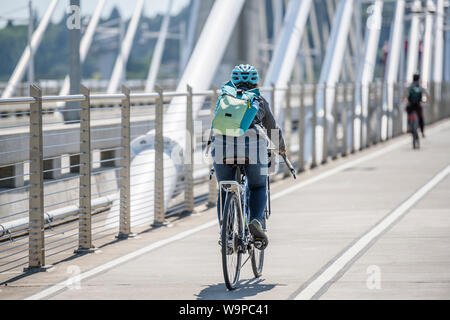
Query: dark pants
[257,181]
[421,121]
[419,111]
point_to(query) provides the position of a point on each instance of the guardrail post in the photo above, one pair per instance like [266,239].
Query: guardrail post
[437,98]
[212,190]
[369,115]
[189,156]
[301,130]
[313,127]
[36,258]
[288,125]
[397,125]
[272,97]
[383,113]
[442,101]
[324,126]
[344,121]
[445,101]
[335,120]
[361,117]
[84,219]
[125,164]
[404,116]
[434,111]
[353,106]
[377,111]
[446,98]
[389,118]
[159,210]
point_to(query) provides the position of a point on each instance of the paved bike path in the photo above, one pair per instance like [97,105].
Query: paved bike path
[308,229]
[314,220]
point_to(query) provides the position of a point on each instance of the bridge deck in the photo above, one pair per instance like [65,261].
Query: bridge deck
[318,224]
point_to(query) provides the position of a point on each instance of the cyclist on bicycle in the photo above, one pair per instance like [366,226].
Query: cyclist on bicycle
[414,94]
[252,146]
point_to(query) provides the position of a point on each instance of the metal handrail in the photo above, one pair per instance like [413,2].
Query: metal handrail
[191,176]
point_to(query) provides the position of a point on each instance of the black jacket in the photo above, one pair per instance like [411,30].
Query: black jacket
[265,119]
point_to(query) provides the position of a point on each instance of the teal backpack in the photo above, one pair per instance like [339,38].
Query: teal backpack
[234,111]
[415,94]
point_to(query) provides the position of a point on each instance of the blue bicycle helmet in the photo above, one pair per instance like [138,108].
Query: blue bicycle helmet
[244,73]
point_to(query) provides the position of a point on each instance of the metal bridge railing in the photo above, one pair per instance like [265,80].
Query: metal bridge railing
[53,203]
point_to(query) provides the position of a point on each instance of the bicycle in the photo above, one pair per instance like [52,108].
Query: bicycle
[413,126]
[235,237]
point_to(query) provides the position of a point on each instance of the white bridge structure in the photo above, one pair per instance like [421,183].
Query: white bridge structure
[334,81]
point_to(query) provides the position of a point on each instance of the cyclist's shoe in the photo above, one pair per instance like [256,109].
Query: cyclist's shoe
[260,237]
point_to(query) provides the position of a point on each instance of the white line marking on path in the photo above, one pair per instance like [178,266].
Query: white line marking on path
[64,284]
[329,273]
[104,267]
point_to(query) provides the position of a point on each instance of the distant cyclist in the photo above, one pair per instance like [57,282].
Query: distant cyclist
[414,94]
[252,145]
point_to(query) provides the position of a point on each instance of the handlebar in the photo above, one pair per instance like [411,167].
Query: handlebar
[289,164]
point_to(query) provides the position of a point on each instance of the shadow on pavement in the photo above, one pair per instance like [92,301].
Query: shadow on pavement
[246,288]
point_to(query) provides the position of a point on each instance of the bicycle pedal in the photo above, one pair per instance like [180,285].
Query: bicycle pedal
[258,244]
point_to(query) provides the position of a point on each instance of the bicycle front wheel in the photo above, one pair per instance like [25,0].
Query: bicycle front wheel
[231,253]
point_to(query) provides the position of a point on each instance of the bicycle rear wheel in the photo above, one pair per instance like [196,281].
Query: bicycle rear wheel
[231,253]
[415,135]
[258,258]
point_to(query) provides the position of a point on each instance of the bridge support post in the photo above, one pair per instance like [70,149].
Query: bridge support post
[212,193]
[159,209]
[189,156]
[301,130]
[36,251]
[288,124]
[53,168]
[15,174]
[125,164]
[85,219]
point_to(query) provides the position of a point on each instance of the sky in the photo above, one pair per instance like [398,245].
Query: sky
[19,8]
